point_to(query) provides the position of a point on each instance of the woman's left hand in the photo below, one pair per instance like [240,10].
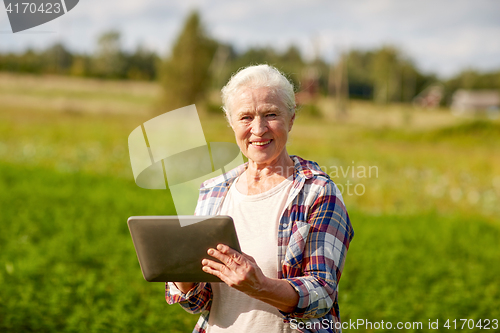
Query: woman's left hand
[237,270]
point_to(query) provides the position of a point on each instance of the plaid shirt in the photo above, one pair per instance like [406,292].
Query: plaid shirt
[313,238]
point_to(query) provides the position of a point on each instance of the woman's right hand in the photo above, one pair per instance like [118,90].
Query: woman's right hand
[184,286]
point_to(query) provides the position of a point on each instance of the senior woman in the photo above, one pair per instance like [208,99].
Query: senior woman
[293,228]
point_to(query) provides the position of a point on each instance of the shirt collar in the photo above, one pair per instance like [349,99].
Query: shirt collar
[303,170]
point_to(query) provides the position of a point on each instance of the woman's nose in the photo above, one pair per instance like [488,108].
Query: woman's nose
[259,126]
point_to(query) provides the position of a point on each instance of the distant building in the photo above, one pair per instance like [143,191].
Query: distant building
[476,101]
[309,88]
[430,97]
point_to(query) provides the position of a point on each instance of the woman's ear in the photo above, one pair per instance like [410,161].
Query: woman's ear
[228,119]
[291,123]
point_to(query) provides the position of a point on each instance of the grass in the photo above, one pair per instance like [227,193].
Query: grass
[420,267]
[427,227]
[66,261]
[75,95]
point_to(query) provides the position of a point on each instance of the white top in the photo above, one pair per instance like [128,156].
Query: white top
[256,219]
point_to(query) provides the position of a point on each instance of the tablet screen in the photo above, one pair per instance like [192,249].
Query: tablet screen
[168,252]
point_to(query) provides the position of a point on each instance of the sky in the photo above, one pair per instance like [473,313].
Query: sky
[440,36]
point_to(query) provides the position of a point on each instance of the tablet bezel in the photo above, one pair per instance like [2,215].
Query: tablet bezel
[168,252]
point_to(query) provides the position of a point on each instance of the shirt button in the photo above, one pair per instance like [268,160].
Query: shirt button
[285,225]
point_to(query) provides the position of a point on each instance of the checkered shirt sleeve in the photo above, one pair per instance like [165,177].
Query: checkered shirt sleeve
[316,255]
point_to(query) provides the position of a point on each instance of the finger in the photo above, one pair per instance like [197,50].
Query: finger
[235,255]
[217,270]
[230,260]
[229,280]
[227,250]
[216,254]
[212,271]
[213,265]
[223,248]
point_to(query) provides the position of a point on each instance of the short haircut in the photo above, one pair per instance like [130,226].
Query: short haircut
[258,76]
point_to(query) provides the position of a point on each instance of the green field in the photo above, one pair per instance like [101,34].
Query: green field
[427,221]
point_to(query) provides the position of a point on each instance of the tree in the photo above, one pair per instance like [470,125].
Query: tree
[385,68]
[359,75]
[109,59]
[141,65]
[185,75]
[289,62]
[57,59]
[384,74]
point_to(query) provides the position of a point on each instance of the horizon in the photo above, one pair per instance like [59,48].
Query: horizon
[441,37]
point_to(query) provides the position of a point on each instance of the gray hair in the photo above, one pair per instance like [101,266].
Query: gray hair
[258,76]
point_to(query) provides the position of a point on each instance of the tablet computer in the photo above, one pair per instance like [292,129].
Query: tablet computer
[168,252]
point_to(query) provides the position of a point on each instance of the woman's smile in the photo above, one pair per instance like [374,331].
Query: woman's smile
[260,144]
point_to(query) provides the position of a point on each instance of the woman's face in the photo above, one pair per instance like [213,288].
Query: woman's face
[261,123]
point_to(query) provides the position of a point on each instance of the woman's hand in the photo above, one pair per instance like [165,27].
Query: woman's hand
[240,271]
[237,270]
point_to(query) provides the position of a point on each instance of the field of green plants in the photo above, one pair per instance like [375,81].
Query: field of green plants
[422,189]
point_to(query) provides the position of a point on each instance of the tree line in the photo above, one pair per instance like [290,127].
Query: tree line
[109,61]
[197,63]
